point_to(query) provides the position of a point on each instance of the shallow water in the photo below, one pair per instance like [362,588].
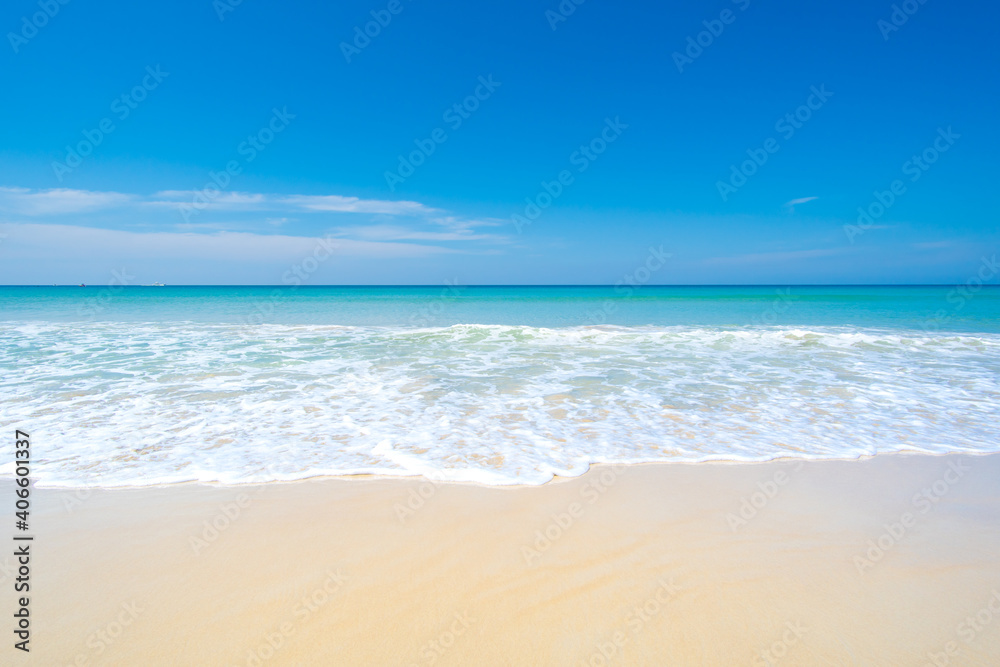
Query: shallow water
[198,391]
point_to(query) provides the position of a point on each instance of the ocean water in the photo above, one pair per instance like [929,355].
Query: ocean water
[502,385]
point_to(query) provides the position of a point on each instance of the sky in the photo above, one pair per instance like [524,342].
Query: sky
[414,142]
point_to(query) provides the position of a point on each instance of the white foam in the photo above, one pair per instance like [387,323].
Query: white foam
[114,404]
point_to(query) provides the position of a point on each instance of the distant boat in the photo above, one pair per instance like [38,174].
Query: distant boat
[157,285]
[82,285]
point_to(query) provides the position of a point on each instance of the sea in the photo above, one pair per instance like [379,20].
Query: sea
[134,386]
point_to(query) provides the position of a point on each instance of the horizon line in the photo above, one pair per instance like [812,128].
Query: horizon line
[439,285]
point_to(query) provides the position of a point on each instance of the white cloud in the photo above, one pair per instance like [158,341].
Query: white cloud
[233,200]
[68,242]
[58,201]
[458,224]
[397,233]
[356,205]
[790,205]
[270,202]
[770,257]
[259,211]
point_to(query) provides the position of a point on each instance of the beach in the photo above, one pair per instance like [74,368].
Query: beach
[881,561]
[248,476]
[516,334]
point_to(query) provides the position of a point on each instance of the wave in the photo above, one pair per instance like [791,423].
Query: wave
[114,404]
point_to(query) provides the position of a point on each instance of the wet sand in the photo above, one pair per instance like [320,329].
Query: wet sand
[887,561]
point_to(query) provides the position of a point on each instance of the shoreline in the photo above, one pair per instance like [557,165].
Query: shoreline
[650,564]
[556,479]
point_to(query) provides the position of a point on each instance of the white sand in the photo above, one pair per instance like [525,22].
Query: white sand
[647,567]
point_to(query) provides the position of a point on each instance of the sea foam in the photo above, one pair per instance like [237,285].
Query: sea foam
[113,404]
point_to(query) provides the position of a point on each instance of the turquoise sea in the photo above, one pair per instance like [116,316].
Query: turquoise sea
[945,308]
[498,385]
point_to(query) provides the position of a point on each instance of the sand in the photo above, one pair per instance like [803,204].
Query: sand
[783,563]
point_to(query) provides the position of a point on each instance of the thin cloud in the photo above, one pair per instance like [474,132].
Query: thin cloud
[58,201]
[462,224]
[397,233]
[225,200]
[790,205]
[768,257]
[61,200]
[398,220]
[356,205]
[71,242]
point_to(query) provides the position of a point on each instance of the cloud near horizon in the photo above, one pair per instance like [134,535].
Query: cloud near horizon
[366,222]
[58,201]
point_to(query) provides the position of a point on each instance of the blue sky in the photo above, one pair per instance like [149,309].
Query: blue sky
[645,141]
